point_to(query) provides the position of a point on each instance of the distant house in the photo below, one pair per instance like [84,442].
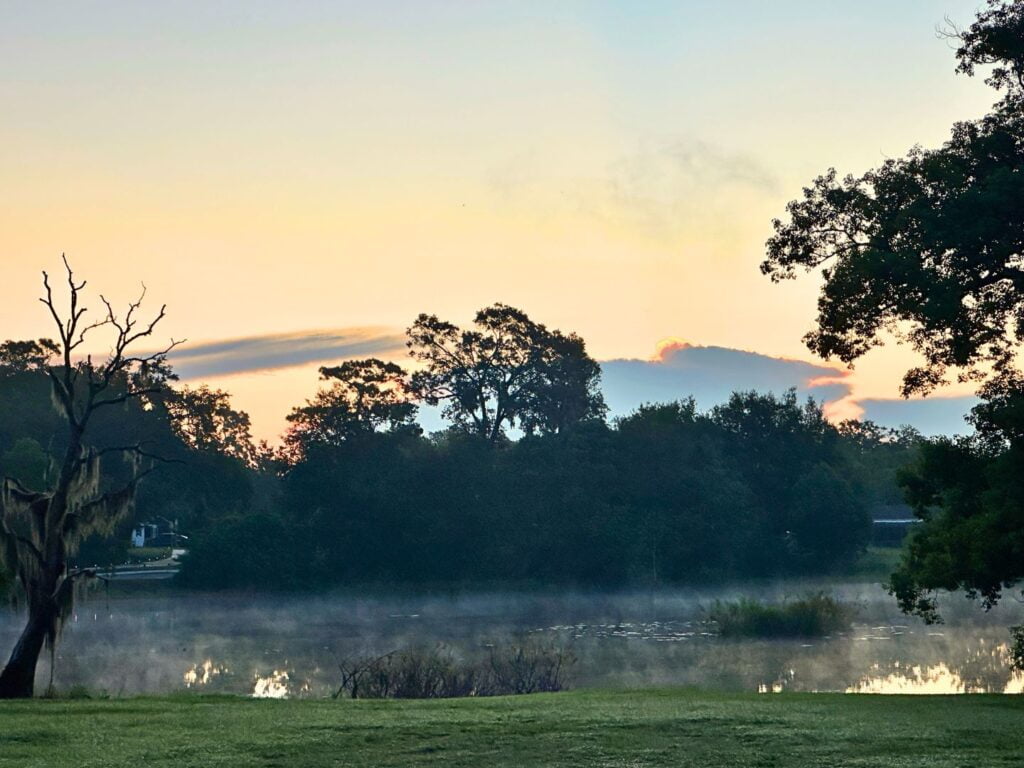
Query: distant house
[156,535]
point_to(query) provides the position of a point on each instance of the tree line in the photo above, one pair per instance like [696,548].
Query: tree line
[528,484]
[759,486]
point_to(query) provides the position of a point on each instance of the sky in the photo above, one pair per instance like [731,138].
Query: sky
[297,181]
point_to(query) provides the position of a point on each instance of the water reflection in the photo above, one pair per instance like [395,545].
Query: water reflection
[273,686]
[985,670]
[202,674]
[658,631]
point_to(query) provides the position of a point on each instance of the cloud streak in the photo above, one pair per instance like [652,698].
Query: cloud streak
[275,351]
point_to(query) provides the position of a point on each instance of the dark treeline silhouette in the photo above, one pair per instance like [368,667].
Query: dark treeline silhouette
[205,472]
[761,485]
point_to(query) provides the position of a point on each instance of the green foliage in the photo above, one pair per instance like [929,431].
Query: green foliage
[1017,647]
[28,463]
[971,500]
[365,396]
[996,39]
[23,356]
[204,420]
[146,554]
[246,550]
[815,615]
[876,564]
[929,247]
[760,486]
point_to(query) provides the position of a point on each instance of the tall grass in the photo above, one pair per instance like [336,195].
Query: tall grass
[814,615]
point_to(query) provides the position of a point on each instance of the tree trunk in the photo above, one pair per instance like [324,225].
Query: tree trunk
[19,676]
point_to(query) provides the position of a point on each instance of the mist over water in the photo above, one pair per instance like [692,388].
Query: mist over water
[279,645]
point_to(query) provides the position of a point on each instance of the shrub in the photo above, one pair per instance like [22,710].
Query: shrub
[519,667]
[527,666]
[416,673]
[811,616]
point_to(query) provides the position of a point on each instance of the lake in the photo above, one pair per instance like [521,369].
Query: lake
[282,645]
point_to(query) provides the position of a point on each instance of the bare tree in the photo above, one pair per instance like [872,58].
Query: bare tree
[40,530]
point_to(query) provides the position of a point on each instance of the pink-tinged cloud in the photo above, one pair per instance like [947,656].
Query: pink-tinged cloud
[680,369]
[709,374]
[664,349]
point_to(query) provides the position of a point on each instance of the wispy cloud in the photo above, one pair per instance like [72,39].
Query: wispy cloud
[670,170]
[272,351]
[661,188]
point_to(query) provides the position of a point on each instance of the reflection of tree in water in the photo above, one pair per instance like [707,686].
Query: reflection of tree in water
[981,667]
[986,667]
[894,660]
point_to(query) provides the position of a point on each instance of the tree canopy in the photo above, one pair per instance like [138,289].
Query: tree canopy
[365,396]
[508,371]
[204,420]
[930,246]
[23,356]
[761,486]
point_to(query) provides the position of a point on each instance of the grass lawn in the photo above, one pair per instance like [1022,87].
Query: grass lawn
[583,728]
[877,564]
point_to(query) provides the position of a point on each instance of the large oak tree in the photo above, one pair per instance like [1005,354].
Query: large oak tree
[929,248]
[507,371]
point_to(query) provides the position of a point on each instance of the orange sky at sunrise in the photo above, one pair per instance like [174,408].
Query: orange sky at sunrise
[270,169]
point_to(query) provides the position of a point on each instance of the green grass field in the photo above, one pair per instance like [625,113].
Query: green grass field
[584,728]
[877,564]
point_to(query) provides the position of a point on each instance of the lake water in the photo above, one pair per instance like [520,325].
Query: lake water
[272,645]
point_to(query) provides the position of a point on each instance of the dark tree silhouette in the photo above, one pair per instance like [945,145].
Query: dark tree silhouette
[365,396]
[569,387]
[508,371]
[24,356]
[41,528]
[204,420]
[929,246]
